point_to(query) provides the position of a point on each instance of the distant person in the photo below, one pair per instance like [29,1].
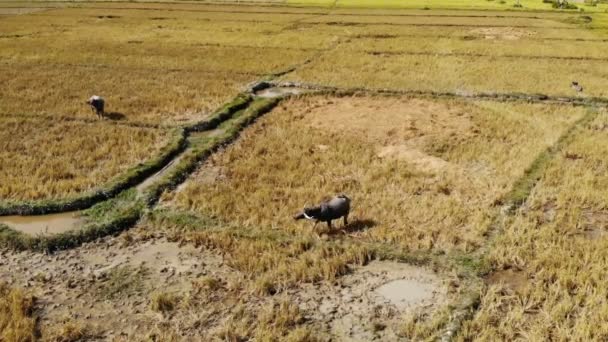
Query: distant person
[97,104]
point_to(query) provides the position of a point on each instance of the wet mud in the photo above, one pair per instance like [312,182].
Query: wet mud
[279,92]
[44,224]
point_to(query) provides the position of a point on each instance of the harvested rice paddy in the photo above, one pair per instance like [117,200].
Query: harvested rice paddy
[475,170]
[425,173]
[48,159]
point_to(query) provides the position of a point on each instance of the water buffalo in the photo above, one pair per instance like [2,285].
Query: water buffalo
[97,104]
[333,209]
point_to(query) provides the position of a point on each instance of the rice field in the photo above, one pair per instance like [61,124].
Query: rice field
[425,172]
[50,159]
[475,170]
[554,247]
[17,319]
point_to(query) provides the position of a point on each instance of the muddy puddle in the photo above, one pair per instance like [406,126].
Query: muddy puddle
[44,224]
[383,293]
[279,92]
[158,175]
[403,293]
[212,133]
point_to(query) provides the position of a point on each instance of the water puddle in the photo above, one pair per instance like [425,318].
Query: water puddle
[150,180]
[44,224]
[213,133]
[405,292]
[279,92]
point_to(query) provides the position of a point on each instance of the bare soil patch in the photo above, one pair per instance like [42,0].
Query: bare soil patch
[372,302]
[513,280]
[279,92]
[595,224]
[106,286]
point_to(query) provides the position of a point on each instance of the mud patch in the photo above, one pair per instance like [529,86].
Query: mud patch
[403,293]
[380,294]
[595,224]
[107,285]
[595,218]
[209,174]
[213,133]
[279,92]
[549,211]
[513,280]
[44,224]
[503,33]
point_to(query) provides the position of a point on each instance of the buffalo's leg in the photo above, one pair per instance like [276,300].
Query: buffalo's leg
[345,219]
[329,224]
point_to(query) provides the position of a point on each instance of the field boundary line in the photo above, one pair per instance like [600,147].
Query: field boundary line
[356,23]
[464,38]
[120,67]
[83,120]
[333,46]
[256,107]
[464,54]
[501,97]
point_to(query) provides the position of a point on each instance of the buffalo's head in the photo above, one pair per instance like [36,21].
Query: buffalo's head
[309,213]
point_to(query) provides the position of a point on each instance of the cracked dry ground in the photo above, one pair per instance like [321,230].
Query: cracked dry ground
[141,286]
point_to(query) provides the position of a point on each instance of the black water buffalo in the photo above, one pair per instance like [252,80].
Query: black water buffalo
[333,209]
[97,104]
